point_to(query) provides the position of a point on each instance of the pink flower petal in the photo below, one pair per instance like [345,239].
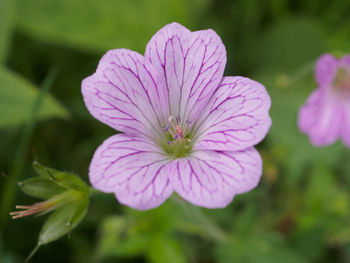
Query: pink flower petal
[238,116]
[345,61]
[192,66]
[133,169]
[211,179]
[127,93]
[321,117]
[345,132]
[326,67]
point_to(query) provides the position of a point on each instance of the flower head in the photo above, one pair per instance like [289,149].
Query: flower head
[186,128]
[325,117]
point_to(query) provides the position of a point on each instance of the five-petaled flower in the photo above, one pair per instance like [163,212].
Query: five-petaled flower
[186,128]
[325,117]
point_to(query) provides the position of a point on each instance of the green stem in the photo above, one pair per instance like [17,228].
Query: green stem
[33,252]
[9,188]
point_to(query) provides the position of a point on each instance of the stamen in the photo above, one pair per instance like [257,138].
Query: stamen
[186,126]
[177,137]
[166,128]
[35,209]
[170,119]
[171,122]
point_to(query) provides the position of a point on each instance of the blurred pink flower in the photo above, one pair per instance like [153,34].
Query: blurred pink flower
[325,117]
[186,128]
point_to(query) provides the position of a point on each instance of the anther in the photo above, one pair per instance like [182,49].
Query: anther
[166,128]
[171,118]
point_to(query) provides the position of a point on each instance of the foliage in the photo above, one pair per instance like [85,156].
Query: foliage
[17,98]
[300,212]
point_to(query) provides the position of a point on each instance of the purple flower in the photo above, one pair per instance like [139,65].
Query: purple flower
[186,128]
[326,115]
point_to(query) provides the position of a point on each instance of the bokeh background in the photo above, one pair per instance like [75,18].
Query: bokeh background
[300,212]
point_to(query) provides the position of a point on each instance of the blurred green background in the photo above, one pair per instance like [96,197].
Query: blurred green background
[300,212]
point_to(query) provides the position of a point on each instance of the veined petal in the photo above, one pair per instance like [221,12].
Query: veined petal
[321,117]
[211,179]
[127,93]
[326,67]
[133,169]
[238,116]
[192,66]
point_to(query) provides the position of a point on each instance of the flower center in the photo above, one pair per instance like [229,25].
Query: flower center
[177,138]
[341,82]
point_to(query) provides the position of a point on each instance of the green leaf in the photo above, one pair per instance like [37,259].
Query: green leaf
[118,241]
[100,25]
[262,248]
[6,24]
[41,187]
[17,97]
[164,249]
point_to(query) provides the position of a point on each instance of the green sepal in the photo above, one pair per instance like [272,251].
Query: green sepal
[79,213]
[67,192]
[41,188]
[63,179]
[63,220]
[44,171]
[71,181]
